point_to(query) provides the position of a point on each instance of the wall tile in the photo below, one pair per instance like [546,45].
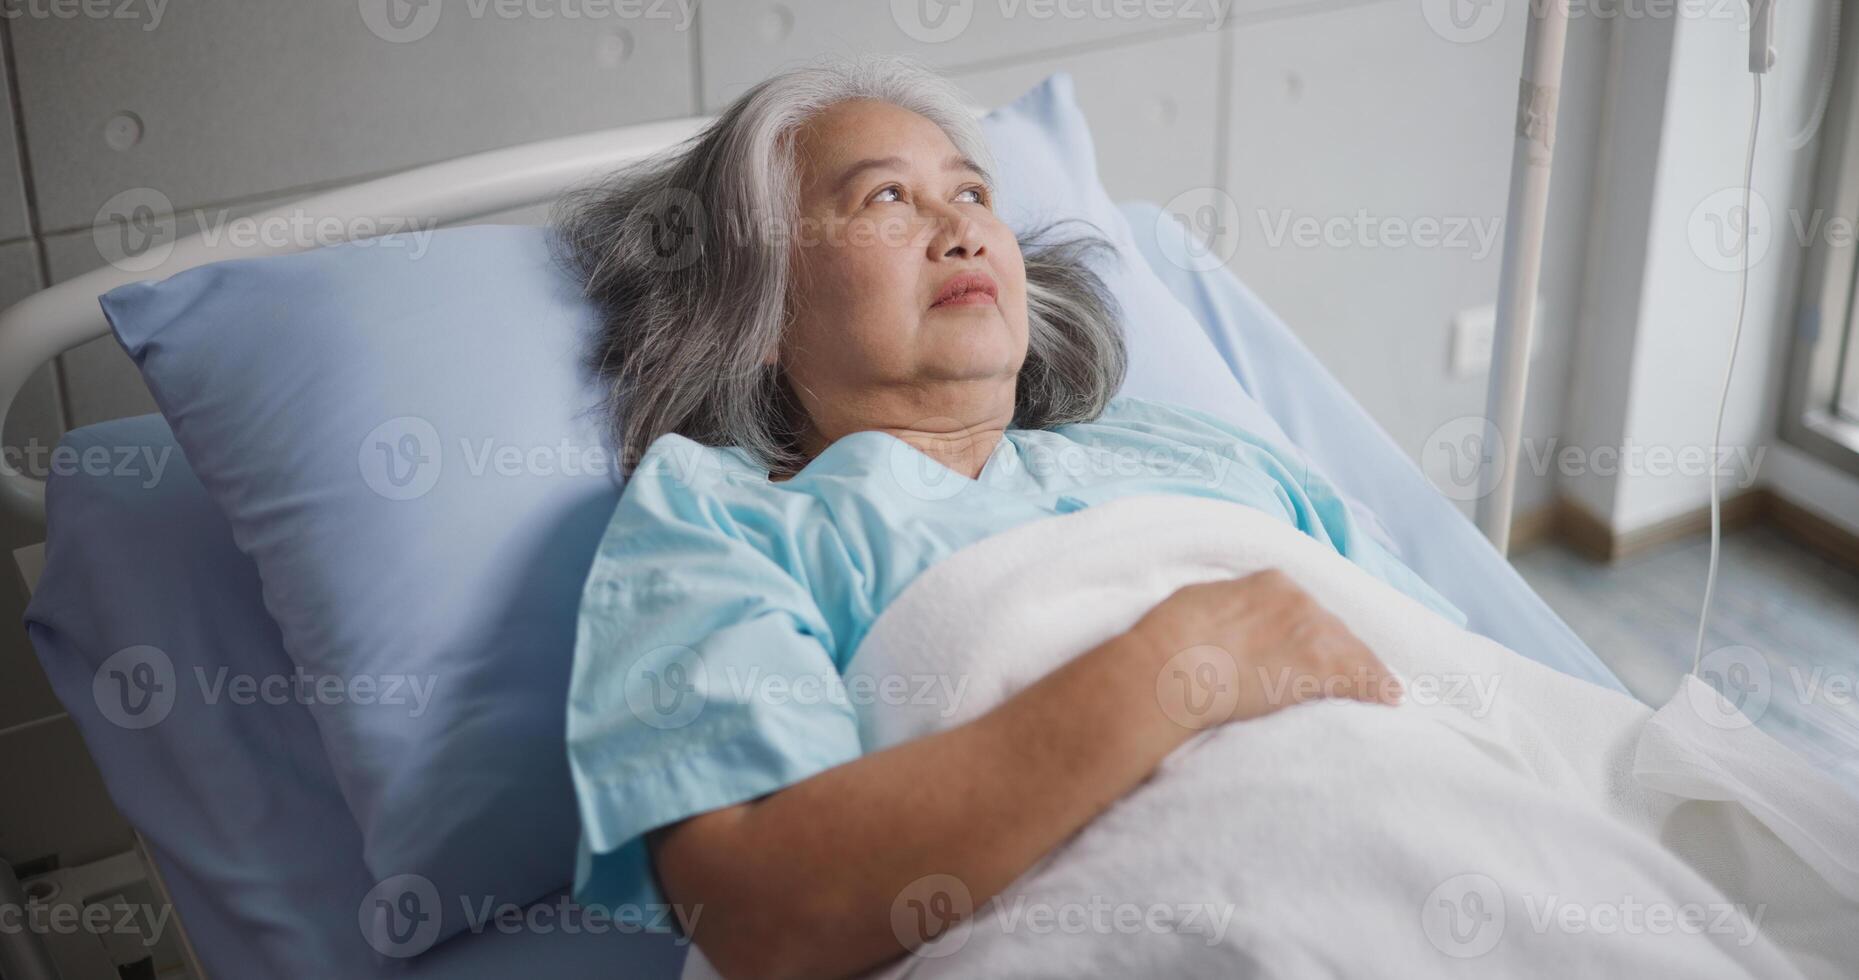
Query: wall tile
[1152,107]
[32,423]
[12,181]
[277,94]
[744,41]
[1352,129]
[55,800]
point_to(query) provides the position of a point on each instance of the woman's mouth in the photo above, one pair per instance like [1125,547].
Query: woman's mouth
[967,289]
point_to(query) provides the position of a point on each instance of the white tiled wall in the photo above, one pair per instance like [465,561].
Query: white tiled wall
[1312,107]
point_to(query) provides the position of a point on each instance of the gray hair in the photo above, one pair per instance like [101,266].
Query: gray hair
[686,258]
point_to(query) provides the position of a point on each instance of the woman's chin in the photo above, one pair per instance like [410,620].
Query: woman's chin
[970,346]
[971,366]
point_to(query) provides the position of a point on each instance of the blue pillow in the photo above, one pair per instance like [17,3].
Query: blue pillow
[402,439]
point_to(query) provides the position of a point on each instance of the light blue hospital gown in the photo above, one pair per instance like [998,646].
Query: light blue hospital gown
[722,607]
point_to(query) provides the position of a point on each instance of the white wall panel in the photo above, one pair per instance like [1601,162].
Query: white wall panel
[231,99]
[56,801]
[744,41]
[34,414]
[12,184]
[1366,118]
[32,424]
[1153,109]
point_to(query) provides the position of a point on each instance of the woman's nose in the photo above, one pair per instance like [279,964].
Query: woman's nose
[956,236]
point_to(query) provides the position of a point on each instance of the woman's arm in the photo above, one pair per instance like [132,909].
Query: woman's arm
[802,882]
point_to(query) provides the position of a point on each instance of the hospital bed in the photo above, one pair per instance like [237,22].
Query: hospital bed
[113,533]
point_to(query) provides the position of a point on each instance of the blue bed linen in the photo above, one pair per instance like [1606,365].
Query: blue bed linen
[1343,442]
[717,596]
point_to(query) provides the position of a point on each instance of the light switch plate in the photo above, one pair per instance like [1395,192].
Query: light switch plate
[1473,333]
[31,561]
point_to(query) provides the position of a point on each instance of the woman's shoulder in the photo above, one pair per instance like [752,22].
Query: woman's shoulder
[1150,415]
[681,480]
[685,461]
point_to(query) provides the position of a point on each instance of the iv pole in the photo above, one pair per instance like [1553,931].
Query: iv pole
[1524,218]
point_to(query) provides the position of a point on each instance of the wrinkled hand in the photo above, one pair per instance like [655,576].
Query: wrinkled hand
[1242,648]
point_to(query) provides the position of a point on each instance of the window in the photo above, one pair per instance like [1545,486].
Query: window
[1846,403]
[1822,409]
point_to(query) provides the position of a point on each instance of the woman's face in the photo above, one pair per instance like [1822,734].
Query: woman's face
[909,301]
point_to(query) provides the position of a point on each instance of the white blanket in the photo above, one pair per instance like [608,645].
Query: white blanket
[1507,821]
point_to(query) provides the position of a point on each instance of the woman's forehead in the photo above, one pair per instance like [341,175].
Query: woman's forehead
[852,133]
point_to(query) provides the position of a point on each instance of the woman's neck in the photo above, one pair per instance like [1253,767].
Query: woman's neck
[965,451]
[959,436]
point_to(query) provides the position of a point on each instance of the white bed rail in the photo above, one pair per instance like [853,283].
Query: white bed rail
[52,321]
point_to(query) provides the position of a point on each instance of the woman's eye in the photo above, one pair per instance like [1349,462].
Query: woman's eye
[888,194]
[971,195]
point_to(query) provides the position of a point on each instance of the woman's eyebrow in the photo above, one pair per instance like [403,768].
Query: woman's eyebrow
[959,162]
[876,163]
[851,173]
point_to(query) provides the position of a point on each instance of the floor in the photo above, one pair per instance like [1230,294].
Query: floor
[1783,638]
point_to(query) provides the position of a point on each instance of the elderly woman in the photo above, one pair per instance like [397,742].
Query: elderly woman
[834,365]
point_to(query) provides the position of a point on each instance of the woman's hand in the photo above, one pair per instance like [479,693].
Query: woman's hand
[1241,648]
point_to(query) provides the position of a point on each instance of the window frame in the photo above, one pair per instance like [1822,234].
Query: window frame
[1827,315]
